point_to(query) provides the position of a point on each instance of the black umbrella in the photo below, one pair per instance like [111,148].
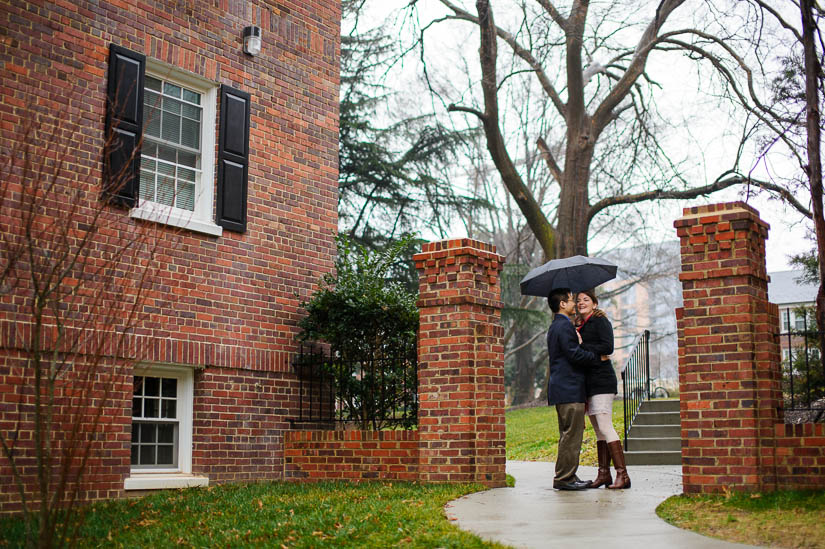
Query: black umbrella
[577,273]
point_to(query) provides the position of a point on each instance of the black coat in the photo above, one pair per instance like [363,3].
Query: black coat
[568,362]
[597,337]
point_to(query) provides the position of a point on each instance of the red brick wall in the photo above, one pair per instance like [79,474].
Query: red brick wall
[228,304]
[729,375]
[351,455]
[461,363]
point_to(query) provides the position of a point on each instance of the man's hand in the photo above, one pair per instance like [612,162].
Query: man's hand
[578,335]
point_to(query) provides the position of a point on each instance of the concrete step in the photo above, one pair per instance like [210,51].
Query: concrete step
[657,418]
[655,431]
[649,457]
[665,444]
[660,405]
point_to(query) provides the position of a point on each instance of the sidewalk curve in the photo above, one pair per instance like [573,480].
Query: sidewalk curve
[535,515]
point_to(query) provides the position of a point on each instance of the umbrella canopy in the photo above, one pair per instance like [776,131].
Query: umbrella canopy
[577,273]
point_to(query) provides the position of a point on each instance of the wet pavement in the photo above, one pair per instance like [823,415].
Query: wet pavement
[535,515]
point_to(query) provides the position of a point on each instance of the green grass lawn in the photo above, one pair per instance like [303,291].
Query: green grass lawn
[533,434]
[778,519]
[279,514]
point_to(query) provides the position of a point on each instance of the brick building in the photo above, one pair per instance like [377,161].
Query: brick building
[236,175]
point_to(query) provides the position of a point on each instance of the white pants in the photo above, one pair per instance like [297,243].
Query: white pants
[600,411]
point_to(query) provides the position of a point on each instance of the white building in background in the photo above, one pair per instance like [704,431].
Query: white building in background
[785,290]
[644,296]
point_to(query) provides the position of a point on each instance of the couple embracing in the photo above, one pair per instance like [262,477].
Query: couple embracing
[582,381]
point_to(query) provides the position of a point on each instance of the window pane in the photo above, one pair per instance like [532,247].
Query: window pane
[188,159]
[170,387]
[167,153]
[151,121]
[150,407]
[172,106]
[152,83]
[186,175]
[168,408]
[152,386]
[165,455]
[135,432]
[171,89]
[147,455]
[135,449]
[166,191]
[170,129]
[148,432]
[166,433]
[191,96]
[192,112]
[186,197]
[190,134]
[136,407]
[147,185]
[138,390]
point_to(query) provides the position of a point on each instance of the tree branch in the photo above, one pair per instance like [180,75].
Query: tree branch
[719,184]
[458,108]
[520,51]
[602,116]
[553,13]
[552,165]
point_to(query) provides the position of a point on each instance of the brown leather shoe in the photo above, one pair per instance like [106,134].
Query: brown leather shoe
[603,478]
[617,455]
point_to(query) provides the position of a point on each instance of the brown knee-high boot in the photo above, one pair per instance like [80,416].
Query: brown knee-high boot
[603,478]
[617,454]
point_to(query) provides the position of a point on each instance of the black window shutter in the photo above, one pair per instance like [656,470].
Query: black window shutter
[233,160]
[124,125]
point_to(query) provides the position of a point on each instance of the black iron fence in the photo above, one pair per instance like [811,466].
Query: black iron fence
[636,380]
[368,390]
[803,368]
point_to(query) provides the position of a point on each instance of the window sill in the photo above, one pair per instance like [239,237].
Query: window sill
[176,220]
[160,481]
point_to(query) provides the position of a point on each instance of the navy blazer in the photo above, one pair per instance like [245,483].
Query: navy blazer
[568,362]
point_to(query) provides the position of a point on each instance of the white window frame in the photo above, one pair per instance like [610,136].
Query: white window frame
[200,220]
[180,476]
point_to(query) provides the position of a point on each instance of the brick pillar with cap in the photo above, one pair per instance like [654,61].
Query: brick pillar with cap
[461,363]
[729,373]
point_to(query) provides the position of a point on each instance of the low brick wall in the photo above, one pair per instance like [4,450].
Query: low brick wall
[800,456]
[351,455]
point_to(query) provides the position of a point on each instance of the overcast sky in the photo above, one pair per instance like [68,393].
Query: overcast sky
[710,142]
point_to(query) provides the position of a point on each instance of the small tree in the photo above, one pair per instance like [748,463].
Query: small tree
[370,320]
[76,277]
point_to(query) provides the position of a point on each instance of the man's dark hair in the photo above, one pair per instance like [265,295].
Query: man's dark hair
[557,296]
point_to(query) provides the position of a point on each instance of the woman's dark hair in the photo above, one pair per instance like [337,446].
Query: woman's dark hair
[592,295]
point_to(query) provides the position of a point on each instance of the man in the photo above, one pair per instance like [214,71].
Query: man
[565,388]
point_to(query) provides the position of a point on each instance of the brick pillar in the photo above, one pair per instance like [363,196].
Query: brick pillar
[729,373]
[461,363]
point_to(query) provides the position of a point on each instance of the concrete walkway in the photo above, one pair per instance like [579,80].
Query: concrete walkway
[533,514]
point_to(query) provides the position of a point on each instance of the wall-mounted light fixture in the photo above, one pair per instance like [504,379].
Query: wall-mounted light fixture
[252,40]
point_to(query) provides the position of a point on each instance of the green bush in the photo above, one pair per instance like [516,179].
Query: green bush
[370,321]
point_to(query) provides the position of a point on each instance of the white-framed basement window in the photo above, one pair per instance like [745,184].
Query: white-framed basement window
[177,167]
[161,440]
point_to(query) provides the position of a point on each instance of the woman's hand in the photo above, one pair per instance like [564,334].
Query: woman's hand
[579,336]
[604,357]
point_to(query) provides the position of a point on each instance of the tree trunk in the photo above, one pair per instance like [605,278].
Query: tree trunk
[574,203]
[812,69]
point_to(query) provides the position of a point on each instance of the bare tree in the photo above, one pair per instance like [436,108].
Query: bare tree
[593,78]
[76,278]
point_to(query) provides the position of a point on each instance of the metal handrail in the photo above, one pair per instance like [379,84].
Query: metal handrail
[636,380]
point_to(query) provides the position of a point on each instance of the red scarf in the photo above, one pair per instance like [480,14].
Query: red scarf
[580,326]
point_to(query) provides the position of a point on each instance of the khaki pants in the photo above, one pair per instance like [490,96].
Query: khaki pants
[571,430]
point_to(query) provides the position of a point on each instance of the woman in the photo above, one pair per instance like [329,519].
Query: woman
[597,337]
